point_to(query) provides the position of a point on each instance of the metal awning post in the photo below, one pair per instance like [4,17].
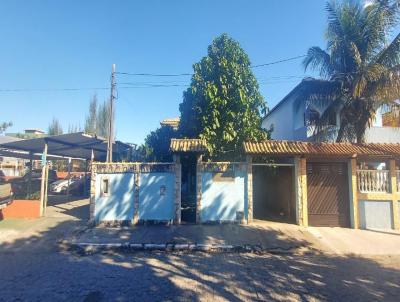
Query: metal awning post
[85,178]
[30,175]
[69,177]
[43,186]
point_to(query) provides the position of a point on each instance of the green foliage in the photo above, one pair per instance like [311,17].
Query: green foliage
[157,143]
[90,121]
[223,103]
[360,70]
[102,119]
[4,126]
[55,127]
[97,119]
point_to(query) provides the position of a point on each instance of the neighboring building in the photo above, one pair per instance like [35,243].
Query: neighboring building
[290,118]
[28,134]
[172,122]
[11,167]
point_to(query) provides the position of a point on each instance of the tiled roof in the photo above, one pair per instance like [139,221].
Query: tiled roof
[188,145]
[173,122]
[311,148]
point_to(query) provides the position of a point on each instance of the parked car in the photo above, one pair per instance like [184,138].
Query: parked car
[78,187]
[20,185]
[61,186]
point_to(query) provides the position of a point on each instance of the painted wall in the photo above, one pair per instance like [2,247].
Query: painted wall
[382,135]
[118,204]
[21,209]
[282,121]
[223,201]
[156,196]
[288,124]
[375,214]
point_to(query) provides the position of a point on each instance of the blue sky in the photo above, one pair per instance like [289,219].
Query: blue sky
[72,44]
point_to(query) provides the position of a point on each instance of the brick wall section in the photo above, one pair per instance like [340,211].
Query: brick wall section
[301,191]
[92,192]
[199,176]
[249,168]
[178,180]
[136,200]
[353,193]
[395,204]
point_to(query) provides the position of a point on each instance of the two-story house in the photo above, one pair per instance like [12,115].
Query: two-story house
[290,118]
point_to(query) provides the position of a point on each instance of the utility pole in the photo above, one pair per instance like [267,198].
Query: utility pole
[111,119]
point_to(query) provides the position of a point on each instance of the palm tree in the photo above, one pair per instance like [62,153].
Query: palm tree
[359,70]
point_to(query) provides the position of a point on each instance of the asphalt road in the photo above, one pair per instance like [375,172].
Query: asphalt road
[33,268]
[40,272]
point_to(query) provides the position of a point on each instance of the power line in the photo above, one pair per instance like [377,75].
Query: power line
[155,74]
[190,74]
[277,62]
[51,89]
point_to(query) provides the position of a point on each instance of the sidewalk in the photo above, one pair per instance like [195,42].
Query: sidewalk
[344,241]
[260,236]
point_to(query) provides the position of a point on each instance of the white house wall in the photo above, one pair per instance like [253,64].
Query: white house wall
[282,121]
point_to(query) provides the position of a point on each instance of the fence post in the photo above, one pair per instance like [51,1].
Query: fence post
[178,180]
[395,203]
[249,166]
[303,191]
[198,187]
[353,192]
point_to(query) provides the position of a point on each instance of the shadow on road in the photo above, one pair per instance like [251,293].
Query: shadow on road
[35,268]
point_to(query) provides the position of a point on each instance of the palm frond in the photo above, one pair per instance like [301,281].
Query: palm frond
[390,55]
[318,59]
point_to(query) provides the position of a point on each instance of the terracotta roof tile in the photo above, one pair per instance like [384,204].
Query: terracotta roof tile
[188,145]
[312,148]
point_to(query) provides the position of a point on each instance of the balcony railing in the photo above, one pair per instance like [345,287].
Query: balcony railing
[373,181]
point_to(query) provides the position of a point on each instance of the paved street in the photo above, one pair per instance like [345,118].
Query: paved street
[36,270]
[33,268]
[48,275]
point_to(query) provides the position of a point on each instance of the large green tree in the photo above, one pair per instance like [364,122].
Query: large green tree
[360,68]
[157,143]
[223,103]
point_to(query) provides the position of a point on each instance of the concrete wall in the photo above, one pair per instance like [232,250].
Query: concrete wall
[223,196]
[21,209]
[375,214]
[118,204]
[382,135]
[136,192]
[156,196]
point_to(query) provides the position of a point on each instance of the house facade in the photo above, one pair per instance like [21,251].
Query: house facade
[289,120]
[307,183]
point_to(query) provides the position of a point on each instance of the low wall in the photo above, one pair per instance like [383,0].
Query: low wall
[135,192]
[222,193]
[21,209]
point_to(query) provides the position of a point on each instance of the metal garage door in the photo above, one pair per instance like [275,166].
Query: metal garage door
[328,194]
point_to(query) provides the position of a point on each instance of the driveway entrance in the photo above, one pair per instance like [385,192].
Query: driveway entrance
[273,193]
[328,194]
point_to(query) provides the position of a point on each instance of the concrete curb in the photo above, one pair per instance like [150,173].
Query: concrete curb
[89,248]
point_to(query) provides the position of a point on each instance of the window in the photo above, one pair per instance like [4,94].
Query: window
[105,187]
[310,116]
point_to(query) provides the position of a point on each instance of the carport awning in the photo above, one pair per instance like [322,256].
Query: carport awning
[73,145]
[288,148]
